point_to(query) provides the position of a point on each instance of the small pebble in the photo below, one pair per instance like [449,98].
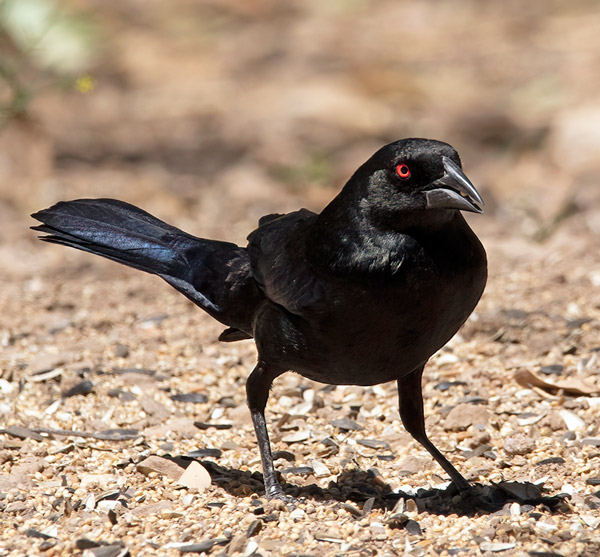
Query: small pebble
[346,424]
[297,436]
[496,546]
[572,420]
[121,350]
[196,476]
[319,468]
[519,444]
[197,398]
[297,514]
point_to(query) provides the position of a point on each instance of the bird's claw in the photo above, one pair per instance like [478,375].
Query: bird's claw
[277,495]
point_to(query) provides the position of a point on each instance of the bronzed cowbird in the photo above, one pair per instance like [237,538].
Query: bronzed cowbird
[361,293]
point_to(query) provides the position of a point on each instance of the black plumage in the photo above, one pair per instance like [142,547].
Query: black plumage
[362,293]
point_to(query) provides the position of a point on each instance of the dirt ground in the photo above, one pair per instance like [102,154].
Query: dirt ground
[210,114]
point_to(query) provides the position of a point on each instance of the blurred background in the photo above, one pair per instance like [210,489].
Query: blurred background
[212,113]
[215,112]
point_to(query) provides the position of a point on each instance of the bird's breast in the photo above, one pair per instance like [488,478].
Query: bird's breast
[365,332]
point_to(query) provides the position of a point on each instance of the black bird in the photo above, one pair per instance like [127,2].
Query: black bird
[362,293]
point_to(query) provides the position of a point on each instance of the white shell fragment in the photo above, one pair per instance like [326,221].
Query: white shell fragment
[572,421]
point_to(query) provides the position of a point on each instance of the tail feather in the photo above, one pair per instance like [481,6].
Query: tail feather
[118,231]
[214,275]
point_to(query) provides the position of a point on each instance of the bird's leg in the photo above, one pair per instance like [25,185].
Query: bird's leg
[411,412]
[257,393]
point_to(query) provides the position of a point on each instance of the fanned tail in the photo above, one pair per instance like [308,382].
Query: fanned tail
[214,275]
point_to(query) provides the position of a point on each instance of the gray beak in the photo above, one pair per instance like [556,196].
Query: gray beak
[454,191]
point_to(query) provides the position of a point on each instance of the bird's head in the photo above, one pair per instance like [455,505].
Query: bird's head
[415,175]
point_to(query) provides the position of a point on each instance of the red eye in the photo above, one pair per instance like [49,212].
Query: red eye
[403,171]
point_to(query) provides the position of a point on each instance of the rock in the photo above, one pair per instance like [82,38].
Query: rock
[197,398]
[331,536]
[110,505]
[184,427]
[254,527]
[377,530]
[550,460]
[397,521]
[152,508]
[553,420]
[84,387]
[319,468]
[413,464]
[297,514]
[465,415]
[411,506]
[297,470]
[496,546]
[170,514]
[116,434]
[22,433]
[445,385]
[446,358]
[86,543]
[228,402]
[297,436]
[519,444]
[554,369]
[21,474]
[200,547]
[121,350]
[33,533]
[572,420]
[230,446]
[240,415]
[591,520]
[373,443]
[478,439]
[368,506]
[346,424]
[206,452]
[251,548]
[285,455]
[45,362]
[354,511]
[195,476]
[113,550]
[302,408]
[162,466]
[154,408]
[208,425]
[90,503]
[102,481]
[125,396]
[413,527]
[15,507]
[237,544]
[144,379]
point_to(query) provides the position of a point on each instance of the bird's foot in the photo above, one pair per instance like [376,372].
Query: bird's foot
[276,494]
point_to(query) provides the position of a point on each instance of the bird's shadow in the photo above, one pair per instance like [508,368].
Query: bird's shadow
[368,491]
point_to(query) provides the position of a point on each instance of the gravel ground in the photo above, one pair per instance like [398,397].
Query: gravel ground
[106,352]
[123,426]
